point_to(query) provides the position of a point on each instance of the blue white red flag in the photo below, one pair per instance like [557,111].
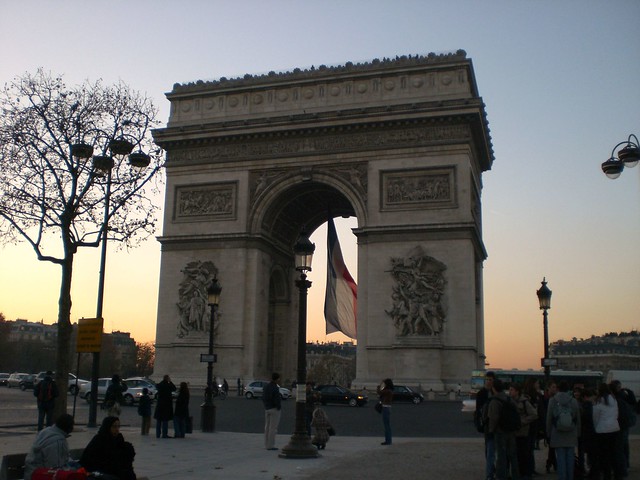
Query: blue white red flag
[341,297]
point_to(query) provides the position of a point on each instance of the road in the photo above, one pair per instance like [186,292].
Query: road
[237,414]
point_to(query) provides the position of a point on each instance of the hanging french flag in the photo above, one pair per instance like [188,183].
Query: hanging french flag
[341,297]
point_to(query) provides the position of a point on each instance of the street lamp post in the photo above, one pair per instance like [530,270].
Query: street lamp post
[629,156]
[208,408]
[544,298]
[104,164]
[299,445]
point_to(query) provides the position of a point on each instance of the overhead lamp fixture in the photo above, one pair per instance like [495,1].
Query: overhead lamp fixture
[629,156]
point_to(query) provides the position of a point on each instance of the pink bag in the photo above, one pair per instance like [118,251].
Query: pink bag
[45,473]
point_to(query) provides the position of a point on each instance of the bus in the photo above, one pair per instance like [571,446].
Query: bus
[576,378]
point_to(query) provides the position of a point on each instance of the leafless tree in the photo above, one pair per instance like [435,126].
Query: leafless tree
[56,147]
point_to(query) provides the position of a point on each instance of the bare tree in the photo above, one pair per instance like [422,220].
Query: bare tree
[56,147]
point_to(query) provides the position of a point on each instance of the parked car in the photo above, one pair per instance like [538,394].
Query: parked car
[27,382]
[71,384]
[254,390]
[14,379]
[4,377]
[131,395]
[402,393]
[134,389]
[338,394]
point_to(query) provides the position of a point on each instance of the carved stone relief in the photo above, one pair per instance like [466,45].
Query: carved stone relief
[214,201]
[423,188]
[338,142]
[193,308]
[418,294]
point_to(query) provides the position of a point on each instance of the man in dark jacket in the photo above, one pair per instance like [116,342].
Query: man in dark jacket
[272,404]
[164,406]
[481,420]
[46,392]
[113,398]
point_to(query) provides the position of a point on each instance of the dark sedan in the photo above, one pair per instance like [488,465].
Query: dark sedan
[337,394]
[402,393]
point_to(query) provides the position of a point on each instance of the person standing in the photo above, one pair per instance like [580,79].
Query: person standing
[164,406]
[113,398]
[563,427]
[50,448]
[504,441]
[551,462]
[272,405]
[608,436]
[239,384]
[482,425]
[182,411]
[320,423]
[144,410]
[385,391]
[528,415]
[626,417]
[46,393]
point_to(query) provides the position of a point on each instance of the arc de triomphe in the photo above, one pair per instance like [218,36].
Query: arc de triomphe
[400,144]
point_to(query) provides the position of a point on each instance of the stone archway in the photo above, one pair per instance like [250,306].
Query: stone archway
[399,144]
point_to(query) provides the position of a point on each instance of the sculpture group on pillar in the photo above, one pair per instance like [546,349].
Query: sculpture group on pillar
[418,294]
[192,305]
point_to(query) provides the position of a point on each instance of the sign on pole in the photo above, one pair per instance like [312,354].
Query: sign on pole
[206,358]
[89,335]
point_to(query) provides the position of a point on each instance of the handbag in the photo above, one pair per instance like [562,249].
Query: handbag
[46,473]
[378,407]
[331,431]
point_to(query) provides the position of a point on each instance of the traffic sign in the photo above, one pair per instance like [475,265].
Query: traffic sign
[206,358]
[89,339]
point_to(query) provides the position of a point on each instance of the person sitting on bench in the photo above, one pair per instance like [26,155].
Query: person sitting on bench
[50,448]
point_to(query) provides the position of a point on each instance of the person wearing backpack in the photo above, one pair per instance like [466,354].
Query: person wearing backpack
[503,425]
[46,392]
[563,427]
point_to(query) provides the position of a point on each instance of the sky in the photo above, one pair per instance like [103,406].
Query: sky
[560,84]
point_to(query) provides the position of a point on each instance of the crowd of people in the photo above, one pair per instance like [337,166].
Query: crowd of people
[586,431]
[108,452]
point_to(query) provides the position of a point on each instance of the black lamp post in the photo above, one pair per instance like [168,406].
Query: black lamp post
[208,408]
[103,165]
[299,445]
[627,157]
[544,298]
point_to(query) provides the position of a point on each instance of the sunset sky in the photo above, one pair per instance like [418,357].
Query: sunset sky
[560,81]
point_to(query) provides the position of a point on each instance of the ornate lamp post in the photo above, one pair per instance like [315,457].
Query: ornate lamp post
[299,445]
[627,157]
[208,408]
[103,165]
[544,298]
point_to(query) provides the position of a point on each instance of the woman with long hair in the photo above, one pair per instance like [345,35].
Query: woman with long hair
[108,453]
[181,413]
[608,438]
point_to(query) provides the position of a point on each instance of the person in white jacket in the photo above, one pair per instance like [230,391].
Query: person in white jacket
[608,437]
[50,448]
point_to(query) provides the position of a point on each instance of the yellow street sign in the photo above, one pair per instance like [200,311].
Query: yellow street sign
[89,335]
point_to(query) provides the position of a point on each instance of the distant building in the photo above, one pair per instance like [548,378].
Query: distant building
[23,330]
[612,351]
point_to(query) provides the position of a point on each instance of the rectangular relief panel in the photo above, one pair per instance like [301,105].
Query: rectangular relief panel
[418,189]
[208,202]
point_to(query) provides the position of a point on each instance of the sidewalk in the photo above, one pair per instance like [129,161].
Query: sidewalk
[242,456]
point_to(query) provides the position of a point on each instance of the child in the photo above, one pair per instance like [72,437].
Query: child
[144,410]
[320,421]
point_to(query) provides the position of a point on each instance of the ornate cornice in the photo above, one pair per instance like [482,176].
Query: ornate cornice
[322,71]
